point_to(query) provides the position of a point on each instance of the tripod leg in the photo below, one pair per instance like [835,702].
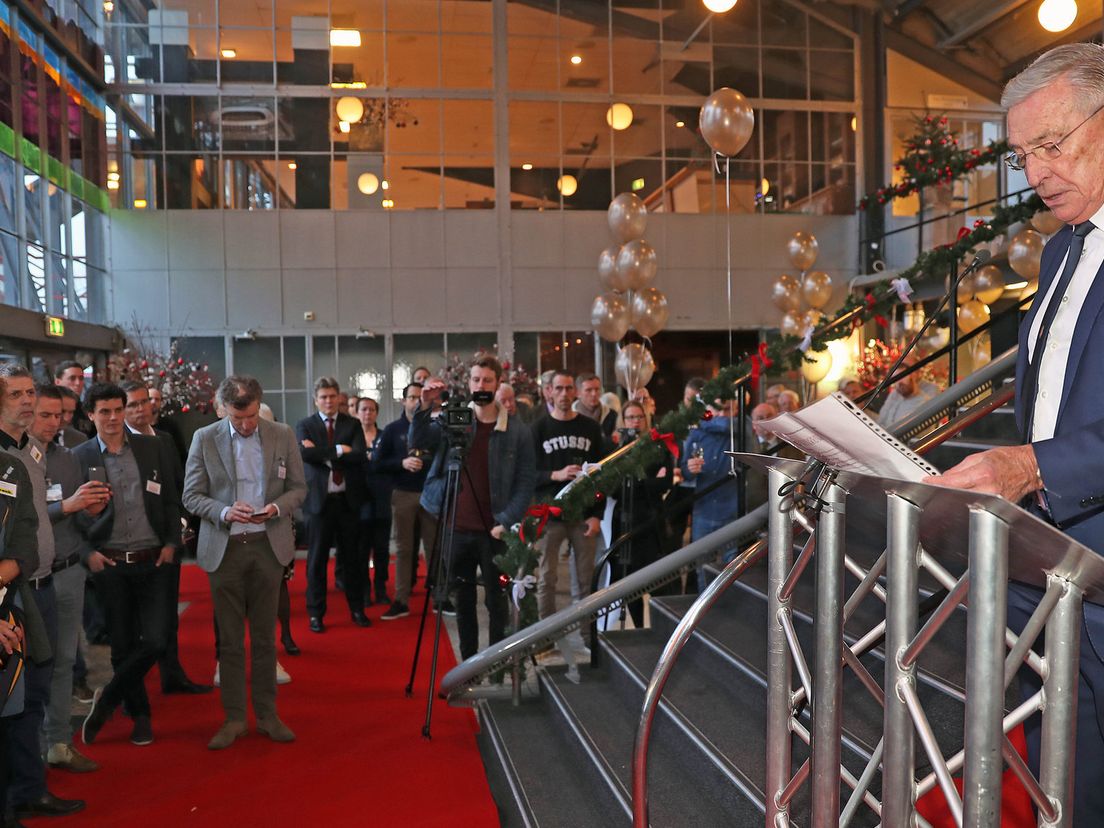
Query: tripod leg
[431,572]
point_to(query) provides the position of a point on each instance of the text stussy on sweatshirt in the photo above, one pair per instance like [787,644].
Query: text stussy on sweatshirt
[566,442]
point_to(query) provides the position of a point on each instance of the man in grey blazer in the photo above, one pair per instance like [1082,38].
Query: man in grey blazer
[243,479]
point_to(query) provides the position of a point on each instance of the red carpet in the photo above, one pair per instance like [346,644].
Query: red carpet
[359,759]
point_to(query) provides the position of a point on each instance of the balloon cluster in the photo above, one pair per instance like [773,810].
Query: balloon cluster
[790,294]
[626,270]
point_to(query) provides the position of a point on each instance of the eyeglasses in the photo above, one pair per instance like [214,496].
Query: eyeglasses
[1050,150]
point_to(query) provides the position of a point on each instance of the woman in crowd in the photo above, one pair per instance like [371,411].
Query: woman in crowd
[375,514]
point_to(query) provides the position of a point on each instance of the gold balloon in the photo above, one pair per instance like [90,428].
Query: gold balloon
[607,269]
[972,315]
[803,249]
[634,366]
[627,217]
[1024,253]
[988,284]
[649,311]
[609,316]
[793,324]
[786,293]
[816,365]
[1046,222]
[811,319]
[817,288]
[636,264]
[726,121]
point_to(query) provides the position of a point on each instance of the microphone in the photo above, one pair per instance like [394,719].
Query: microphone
[980,258]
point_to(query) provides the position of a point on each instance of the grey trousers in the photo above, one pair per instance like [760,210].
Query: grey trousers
[246,588]
[69,588]
[582,550]
[406,512]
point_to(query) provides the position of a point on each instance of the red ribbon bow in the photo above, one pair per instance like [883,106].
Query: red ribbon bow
[542,511]
[668,439]
[759,363]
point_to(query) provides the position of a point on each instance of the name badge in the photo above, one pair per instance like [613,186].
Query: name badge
[36,455]
[153,487]
[53,493]
[8,489]
[281,471]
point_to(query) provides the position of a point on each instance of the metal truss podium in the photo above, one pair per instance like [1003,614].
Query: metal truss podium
[892,537]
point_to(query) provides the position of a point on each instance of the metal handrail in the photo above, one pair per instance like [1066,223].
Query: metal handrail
[944,216]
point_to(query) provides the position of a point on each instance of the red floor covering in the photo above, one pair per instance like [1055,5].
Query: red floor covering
[359,759]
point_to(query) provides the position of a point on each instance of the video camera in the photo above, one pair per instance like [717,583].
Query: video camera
[456,421]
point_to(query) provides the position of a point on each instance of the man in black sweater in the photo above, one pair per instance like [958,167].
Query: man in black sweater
[564,441]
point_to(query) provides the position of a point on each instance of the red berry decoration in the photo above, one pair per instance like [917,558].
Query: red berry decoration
[504,580]
[180,360]
[145,363]
[707,415]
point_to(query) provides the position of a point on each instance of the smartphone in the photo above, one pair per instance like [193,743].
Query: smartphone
[97,473]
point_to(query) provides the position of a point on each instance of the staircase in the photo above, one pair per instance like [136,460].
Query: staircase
[563,756]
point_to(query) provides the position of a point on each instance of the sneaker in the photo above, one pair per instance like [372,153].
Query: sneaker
[142,734]
[446,608]
[396,610]
[66,757]
[217,681]
[82,692]
[282,676]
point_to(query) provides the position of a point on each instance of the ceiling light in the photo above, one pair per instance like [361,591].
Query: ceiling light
[764,187]
[385,184]
[576,60]
[719,6]
[344,37]
[139,204]
[344,126]
[527,166]
[680,124]
[854,123]
[113,176]
[108,7]
[567,185]
[349,85]
[367,183]
[619,116]
[229,54]
[388,204]
[350,109]
[1057,15]
[113,185]
[292,165]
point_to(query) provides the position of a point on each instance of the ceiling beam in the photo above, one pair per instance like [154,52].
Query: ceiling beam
[939,62]
[990,17]
[1089,31]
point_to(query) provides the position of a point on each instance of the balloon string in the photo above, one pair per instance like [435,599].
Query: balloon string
[728,280]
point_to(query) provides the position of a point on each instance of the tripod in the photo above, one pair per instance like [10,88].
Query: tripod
[440,564]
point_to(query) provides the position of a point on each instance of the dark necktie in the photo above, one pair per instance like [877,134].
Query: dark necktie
[338,477]
[1031,375]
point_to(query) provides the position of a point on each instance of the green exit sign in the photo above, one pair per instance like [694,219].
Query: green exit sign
[638,184]
[55,326]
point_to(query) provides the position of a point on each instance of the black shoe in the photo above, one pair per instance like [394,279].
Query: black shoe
[82,692]
[48,805]
[95,720]
[381,595]
[361,620]
[316,625]
[290,647]
[142,734]
[446,608]
[397,610]
[186,686]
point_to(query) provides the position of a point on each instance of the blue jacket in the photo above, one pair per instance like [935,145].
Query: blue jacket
[719,507]
[512,465]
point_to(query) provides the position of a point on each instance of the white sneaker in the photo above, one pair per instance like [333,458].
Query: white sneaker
[282,676]
[218,681]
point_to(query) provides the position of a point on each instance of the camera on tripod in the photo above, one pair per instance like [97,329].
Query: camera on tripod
[456,421]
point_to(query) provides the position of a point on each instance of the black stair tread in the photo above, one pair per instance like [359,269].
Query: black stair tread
[684,788]
[561,790]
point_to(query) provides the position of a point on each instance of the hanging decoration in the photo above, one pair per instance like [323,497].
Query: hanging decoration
[1025,252]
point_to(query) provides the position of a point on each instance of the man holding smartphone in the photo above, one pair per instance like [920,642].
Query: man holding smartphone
[136,537]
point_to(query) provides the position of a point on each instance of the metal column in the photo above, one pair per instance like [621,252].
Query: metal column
[779,666]
[985,625]
[902,576]
[827,698]
[1063,651]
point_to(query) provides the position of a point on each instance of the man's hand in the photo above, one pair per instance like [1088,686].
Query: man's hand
[431,392]
[695,465]
[267,513]
[240,512]
[1008,471]
[168,553]
[498,531]
[91,495]
[412,464]
[567,473]
[97,562]
[11,636]
[344,449]
[307,443]
[593,527]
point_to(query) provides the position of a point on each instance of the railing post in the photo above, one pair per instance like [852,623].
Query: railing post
[779,666]
[1059,737]
[985,651]
[902,577]
[827,698]
[952,325]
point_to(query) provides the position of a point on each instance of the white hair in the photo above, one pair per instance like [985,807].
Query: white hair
[1081,64]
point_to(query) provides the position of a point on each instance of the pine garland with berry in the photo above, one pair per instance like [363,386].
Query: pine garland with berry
[185,385]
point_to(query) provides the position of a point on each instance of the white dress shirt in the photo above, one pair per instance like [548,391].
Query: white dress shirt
[1052,369]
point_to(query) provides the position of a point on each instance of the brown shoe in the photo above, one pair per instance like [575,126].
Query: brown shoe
[227,734]
[66,757]
[275,730]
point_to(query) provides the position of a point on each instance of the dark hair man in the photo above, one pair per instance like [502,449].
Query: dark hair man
[136,536]
[66,499]
[70,374]
[496,485]
[26,785]
[334,455]
[564,442]
[244,479]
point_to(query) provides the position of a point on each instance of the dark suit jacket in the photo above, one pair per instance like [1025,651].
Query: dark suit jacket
[347,431]
[157,462]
